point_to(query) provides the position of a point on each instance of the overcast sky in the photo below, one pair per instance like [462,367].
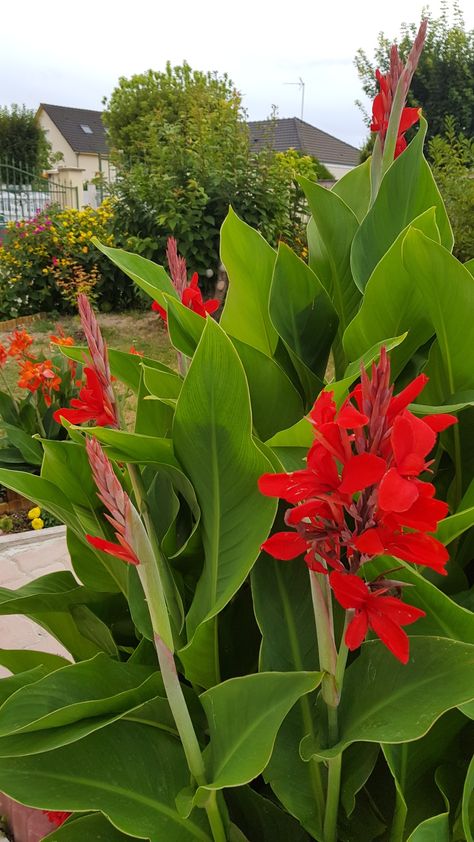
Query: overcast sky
[73,53]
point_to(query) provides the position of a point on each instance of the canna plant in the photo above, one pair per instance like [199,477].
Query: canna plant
[243,669]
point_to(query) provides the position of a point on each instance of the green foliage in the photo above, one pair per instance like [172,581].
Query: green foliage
[22,140]
[229,737]
[444,80]
[452,162]
[182,151]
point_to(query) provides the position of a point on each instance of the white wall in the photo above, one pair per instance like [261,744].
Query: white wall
[337,170]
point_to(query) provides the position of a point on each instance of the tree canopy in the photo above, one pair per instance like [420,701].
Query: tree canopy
[444,80]
[181,145]
[21,139]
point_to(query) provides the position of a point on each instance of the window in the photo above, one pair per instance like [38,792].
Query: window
[86,129]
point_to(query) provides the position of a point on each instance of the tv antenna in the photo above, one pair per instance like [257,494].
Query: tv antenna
[300,84]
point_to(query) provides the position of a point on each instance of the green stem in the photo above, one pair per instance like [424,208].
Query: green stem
[41,429]
[179,709]
[399,819]
[334,763]
[322,608]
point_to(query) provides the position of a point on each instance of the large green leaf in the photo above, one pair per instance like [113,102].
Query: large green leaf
[20,660]
[92,828]
[389,702]
[50,601]
[275,402]
[29,447]
[468,803]
[448,293]
[46,494]
[241,746]
[184,325]
[303,315]
[134,447]
[354,189]
[150,277]
[96,773]
[392,303]
[125,367]
[284,612]
[214,444]
[330,235]
[413,766]
[74,692]
[249,262]
[407,190]
[261,819]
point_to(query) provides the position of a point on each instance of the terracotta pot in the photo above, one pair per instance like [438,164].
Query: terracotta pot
[26,824]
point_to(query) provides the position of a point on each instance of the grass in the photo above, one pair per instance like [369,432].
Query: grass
[142,329]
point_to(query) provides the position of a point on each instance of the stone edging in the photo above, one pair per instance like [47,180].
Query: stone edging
[31,536]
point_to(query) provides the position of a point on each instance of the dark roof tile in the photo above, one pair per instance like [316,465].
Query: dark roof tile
[292,133]
[69,122]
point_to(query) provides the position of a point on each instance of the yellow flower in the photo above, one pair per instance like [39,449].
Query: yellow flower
[85,249]
[37,523]
[34,513]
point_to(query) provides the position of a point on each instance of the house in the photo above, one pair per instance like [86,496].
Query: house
[291,133]
[78,134]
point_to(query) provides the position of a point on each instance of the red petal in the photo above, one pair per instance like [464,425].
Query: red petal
[407,395]
[113,549]
[409,117]
[440,422]
[396,494]
[349,590]
[424,514]
[418,548]
[349,417]
[361,471]
[324,409]
[211,305]
[391,635]
[356,630]
[285,545]
[292,487]
[396,610]
[370,542]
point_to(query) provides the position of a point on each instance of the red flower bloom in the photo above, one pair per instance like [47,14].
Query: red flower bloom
[360,494]
[381,109]
[91,405]
[3,355]
[385,615]
[190,294]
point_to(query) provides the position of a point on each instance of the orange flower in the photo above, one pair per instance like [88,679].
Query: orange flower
[61,339]
[133,350]
[20,341]
[39,375]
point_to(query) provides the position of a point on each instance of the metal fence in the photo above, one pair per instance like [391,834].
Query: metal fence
[22,194]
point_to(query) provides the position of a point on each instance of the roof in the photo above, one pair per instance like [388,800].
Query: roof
[292,133]
[69,121]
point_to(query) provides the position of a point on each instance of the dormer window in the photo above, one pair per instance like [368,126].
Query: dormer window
[86,129]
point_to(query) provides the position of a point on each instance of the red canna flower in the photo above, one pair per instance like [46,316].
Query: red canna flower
[19,341]
[385,615]
[61,340]
[56,817]
[115,499]
[91,405]
[398,76]
[3,355]
[190,294]
[360,494]
[134,351]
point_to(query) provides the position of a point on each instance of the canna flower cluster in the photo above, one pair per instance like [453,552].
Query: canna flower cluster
[39,375]
[96,401]
[190,294]
[398,75]
[361,495]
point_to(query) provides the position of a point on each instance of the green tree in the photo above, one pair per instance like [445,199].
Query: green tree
[444,80]
[181,146]
[452,162]
[21,139]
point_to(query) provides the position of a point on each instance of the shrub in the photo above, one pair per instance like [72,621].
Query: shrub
[45,261]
